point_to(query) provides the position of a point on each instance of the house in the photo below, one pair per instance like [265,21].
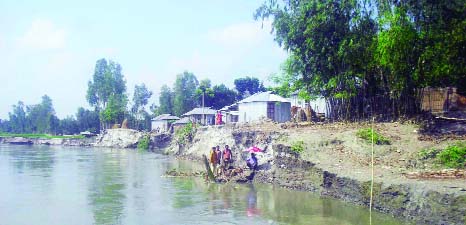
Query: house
[264,104]
[162,123]
[319,105]
[204,116]
[230,113]
[180,123]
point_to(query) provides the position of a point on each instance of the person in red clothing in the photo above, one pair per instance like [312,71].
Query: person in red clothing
[218,118]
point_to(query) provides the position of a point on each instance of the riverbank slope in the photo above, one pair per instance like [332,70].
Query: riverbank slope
[335,162]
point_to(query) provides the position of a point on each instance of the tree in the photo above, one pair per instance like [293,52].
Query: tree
[166,101]
[17,120]
[248,86]
[205,93]
[87,120]
[140,99]
[42,118]
[184,93]
[223,96]
[354,52]
[107,92]
[69,125]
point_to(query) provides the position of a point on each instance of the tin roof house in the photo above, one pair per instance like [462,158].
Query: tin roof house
[162,122]
[230,113]
[204,116]
[264,105]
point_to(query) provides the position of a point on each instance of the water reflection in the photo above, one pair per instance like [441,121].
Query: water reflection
[47,185]
[252,209]
[39,160]
[106,189]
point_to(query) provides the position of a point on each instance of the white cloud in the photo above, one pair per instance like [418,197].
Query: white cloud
[241,34]
[43,35]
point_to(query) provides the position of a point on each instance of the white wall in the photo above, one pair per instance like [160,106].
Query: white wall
[319,105]
[251,111]
[161,124]
[282,112]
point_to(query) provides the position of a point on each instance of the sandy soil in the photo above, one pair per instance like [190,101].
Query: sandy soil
[336,148]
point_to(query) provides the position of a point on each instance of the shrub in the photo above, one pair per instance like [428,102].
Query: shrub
[297,147]
[185,134]
[366,134]
[144,142]
[428,153]
[454,156]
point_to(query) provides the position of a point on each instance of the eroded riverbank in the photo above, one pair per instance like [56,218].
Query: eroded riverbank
[336,164]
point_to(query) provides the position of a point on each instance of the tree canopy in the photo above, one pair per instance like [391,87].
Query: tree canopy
[351,52]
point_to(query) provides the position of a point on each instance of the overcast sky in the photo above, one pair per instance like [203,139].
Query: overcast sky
[51,46]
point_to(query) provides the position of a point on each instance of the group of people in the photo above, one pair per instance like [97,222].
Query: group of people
[220,161]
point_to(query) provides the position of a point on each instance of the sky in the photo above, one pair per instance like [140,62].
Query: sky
[50,47]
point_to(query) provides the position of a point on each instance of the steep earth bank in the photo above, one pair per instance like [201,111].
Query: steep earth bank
[113,138]
[335,163]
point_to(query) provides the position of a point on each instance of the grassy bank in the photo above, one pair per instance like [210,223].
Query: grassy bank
[46,136]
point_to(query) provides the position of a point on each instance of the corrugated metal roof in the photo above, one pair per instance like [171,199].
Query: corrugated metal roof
[166,117]
[264,97]
[183,120]
[201,111]
[229,107]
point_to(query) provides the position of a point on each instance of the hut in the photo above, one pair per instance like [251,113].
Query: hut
[162,122]
[264,105]
[203,116]
[230,113]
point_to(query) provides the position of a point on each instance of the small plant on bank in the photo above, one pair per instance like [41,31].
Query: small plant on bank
[297,147]
[367,133]
[144,143]
[454,156]
[185,134]
[428,153]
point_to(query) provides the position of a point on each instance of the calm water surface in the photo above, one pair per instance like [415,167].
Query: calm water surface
[55,185]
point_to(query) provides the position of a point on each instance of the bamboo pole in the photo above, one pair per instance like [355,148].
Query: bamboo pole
[210,174]
[372,172]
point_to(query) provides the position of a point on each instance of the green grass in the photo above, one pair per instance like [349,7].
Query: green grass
[454,156]
[46,136]
[366,134]
[297,147]
[144,142]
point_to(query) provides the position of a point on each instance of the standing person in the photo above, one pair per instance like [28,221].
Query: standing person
[251,162]
[226,157]
[219,158]
[213,161]
[218,118]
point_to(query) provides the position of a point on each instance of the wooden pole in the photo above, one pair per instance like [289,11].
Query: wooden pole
[210,174]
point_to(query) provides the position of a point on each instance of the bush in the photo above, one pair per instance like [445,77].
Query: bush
[185,134]
[428,153]
[297,147]
[144,142]
[454,156]
[366,134]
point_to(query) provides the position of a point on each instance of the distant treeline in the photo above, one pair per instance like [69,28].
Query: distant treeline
[369,57]
[107,95]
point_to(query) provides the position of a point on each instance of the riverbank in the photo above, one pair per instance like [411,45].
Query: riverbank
[335,162]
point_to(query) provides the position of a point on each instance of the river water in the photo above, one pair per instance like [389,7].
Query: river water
[56,185]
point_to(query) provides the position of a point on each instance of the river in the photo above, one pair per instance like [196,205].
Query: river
[57,185]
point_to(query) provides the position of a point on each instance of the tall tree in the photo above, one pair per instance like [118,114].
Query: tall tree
[140,99]
[248,86]
[166,101]
[87,120]
[223,96]
[205,93]
[18,120]
[107,91]
[185,90]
